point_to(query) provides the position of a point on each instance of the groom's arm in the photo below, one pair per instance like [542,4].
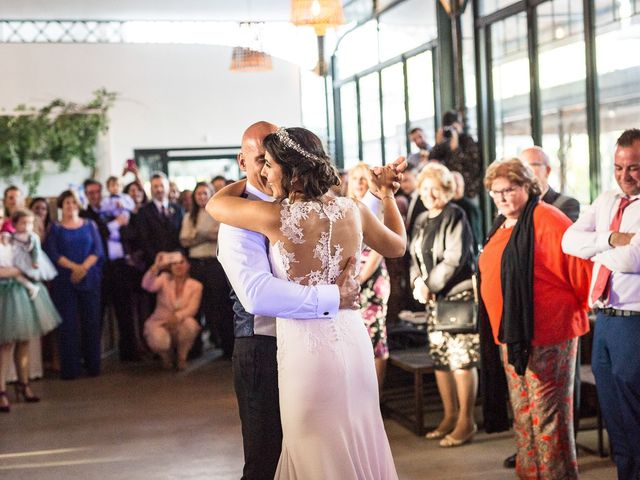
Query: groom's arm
[243,255]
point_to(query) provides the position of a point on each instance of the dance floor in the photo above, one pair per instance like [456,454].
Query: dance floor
[138,422]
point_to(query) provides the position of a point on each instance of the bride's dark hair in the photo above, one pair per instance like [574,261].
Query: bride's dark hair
[304,163]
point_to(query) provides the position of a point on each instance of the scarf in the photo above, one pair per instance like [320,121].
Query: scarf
[516,277]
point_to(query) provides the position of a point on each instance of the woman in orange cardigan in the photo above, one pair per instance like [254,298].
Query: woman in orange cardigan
[536,300]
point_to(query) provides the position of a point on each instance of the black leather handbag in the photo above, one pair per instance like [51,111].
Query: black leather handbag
[458,315]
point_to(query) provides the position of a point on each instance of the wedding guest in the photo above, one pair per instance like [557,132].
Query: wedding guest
[141,302]
[159,221]
[536,300]
[12,200]
[117,202]
[607,233]
[75,247]
[22,320]
[374,281]
[40,207]
[471,210]
[419,159]
[541,166]
[93,193]
[218,183]
[199,234]
[185,200]
[174,192]
[173,323]
[441,269]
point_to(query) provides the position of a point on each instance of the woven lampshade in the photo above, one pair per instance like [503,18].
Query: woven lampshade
[244,59]
[320,14]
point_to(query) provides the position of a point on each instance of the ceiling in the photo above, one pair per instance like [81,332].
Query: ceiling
[220,10]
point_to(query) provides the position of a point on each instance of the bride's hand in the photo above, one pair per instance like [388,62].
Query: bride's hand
[386,180]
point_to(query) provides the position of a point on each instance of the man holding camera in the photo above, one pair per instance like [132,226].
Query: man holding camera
[458,152]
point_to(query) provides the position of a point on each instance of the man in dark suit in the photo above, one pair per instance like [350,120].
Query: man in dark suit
[116,279]
[409,189]
[159,221]
[539,162]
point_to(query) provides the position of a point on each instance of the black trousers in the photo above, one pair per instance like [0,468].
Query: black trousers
[255,374]
[119,284]
[216,304]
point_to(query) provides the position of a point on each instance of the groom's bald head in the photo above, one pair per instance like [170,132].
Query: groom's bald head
[251,156]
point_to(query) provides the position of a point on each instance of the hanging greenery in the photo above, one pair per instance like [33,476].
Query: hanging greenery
[61,132]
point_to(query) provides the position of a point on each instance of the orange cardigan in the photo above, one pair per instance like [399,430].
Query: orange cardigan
[560,282]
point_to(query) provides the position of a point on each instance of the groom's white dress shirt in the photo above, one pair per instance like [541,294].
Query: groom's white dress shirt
[243,255]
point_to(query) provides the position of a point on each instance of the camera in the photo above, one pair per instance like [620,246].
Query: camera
[447,131]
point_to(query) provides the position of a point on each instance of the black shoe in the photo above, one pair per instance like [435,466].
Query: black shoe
[510,462]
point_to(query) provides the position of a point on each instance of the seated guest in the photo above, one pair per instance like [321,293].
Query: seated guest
[535,297]
[173,323]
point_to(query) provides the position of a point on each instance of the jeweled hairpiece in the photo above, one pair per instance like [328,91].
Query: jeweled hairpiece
[287,141]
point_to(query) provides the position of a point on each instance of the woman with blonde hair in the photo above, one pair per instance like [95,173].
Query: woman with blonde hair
[535,298]
[374,280]
[441,269]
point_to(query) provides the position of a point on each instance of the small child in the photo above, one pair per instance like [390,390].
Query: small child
[117,203]
[7,260]
[28,256]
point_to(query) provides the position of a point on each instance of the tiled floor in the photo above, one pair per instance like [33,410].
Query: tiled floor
[137,422]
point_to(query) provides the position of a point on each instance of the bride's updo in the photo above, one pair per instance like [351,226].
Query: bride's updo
[306,168]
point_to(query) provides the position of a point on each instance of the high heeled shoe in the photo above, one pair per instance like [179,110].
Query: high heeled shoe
[5,408]
[450,441]
[21,391]
[437,434]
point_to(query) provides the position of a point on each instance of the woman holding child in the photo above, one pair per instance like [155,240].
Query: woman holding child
[26,311]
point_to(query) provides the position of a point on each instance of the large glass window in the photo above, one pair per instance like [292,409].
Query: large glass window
[394,121]
[469,66]
[370,119]
[510,73]
[618,65]
[406,26]
[358,50]
[349,119]
[421,94]
[563,95]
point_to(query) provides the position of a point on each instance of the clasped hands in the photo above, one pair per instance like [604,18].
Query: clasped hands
[78,272]
[385,181]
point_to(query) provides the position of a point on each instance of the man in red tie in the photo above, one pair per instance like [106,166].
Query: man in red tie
[608,233]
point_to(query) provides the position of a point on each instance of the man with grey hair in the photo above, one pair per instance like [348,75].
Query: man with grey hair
[539,162]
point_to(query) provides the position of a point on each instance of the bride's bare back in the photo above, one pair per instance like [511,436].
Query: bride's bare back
[316,239]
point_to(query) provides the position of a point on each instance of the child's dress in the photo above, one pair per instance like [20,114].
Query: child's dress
[20,318]
[27,252]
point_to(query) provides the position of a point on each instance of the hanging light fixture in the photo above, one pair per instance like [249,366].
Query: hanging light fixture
[244,59]
[319,14]
[249,56]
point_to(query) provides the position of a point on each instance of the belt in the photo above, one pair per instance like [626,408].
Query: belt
[614,312]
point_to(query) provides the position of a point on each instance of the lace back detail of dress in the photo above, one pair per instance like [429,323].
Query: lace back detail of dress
[330,226]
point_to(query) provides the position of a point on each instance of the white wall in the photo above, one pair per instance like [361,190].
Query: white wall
[169,95]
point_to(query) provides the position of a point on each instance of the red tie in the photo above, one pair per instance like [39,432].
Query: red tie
[600,287]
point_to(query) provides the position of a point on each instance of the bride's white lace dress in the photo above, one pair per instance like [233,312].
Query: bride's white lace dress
[328,389]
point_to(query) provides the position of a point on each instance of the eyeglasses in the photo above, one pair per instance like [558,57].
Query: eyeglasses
[507,192]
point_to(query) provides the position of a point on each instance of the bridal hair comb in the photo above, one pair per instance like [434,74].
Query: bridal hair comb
[287,141]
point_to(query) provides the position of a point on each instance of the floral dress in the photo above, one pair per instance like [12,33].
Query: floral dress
[374,296]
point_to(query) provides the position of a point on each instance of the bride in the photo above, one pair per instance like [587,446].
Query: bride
[331,421]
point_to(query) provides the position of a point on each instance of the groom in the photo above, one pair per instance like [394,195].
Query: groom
[258,298]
